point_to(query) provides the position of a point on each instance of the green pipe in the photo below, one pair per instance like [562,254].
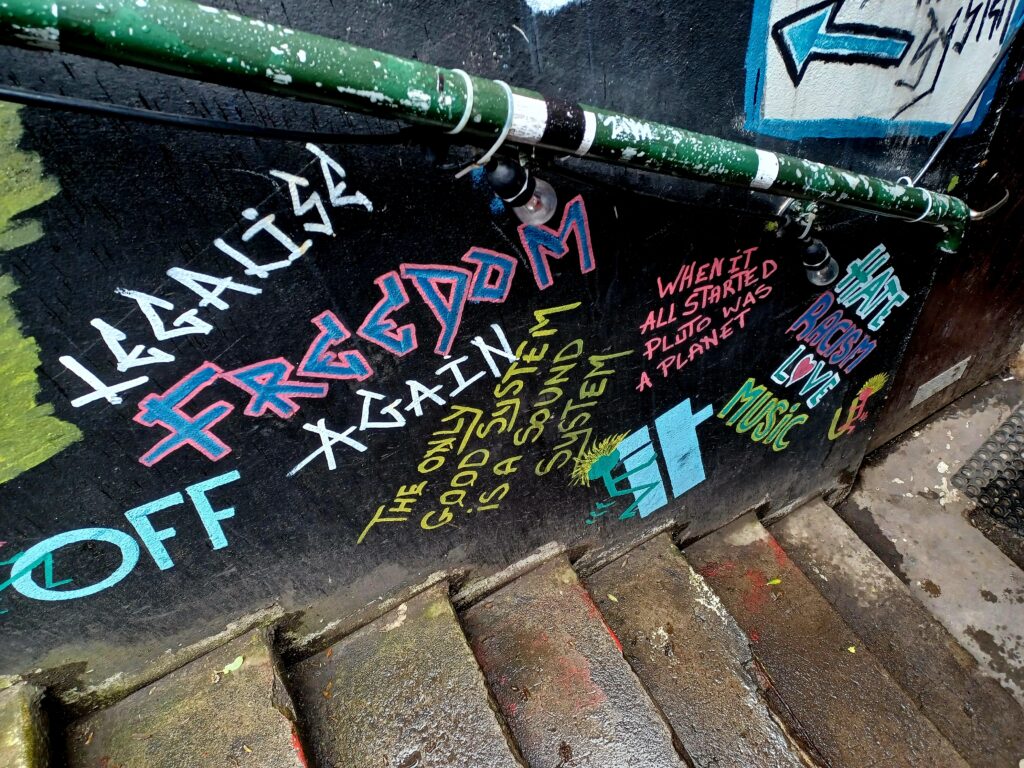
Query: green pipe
[184,38]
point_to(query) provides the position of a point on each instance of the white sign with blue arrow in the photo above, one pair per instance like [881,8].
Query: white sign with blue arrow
[836,68]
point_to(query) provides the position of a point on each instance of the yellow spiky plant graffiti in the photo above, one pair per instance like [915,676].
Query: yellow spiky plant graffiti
[876,382]
[606,447]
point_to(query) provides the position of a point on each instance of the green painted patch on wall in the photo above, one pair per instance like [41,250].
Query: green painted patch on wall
[29,432]
[22,183]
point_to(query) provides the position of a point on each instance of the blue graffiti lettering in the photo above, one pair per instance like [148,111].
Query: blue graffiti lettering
[427,279]
[379,328]
[321,362]
[271,388]
[165,411]
[542,243]
[23,565]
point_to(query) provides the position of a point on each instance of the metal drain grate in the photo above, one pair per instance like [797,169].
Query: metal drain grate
[994,476]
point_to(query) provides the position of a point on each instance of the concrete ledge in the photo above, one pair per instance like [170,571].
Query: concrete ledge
[224,709]
[22,729]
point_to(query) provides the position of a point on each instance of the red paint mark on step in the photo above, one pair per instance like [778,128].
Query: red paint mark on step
[592,610]
[297,746]
[755,636]
[595,613]
[757,591]
[615,639]
[540,641]
[780,554]
[714,568]
[505,697]
[575,679]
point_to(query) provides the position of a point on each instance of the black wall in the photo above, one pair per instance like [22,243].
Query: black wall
[136,202]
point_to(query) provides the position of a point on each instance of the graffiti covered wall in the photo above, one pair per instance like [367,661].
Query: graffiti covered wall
[311,374]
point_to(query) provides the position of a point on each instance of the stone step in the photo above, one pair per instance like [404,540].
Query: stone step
[404,691]
[226,708]
[558,674]
[834,694]
[22,728]
[979,717]
[906,509]
[692,658]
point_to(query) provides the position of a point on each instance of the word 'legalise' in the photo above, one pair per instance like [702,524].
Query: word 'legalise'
[264,232]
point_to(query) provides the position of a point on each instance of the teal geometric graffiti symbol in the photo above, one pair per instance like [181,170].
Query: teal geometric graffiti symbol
[645,480]
[677,431]
[641,476]
[604,465]
[47,563]
[639,459]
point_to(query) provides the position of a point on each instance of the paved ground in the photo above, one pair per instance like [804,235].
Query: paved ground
[557,672]
[692,658]
[906,509]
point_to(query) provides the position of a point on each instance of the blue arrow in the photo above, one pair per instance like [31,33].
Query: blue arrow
[812,34]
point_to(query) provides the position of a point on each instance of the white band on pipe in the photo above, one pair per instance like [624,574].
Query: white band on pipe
[529,118]
[589,133]
[767,170]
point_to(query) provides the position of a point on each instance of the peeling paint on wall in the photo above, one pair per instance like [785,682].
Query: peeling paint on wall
[29,433]
[549,6]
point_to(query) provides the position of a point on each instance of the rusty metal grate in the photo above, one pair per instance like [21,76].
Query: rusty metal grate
[994,476]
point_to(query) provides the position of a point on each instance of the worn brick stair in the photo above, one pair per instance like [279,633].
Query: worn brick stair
[745,662]
[558,674]
[835,695]
[692,658]
[403,692]
[979,717]
[227,708]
